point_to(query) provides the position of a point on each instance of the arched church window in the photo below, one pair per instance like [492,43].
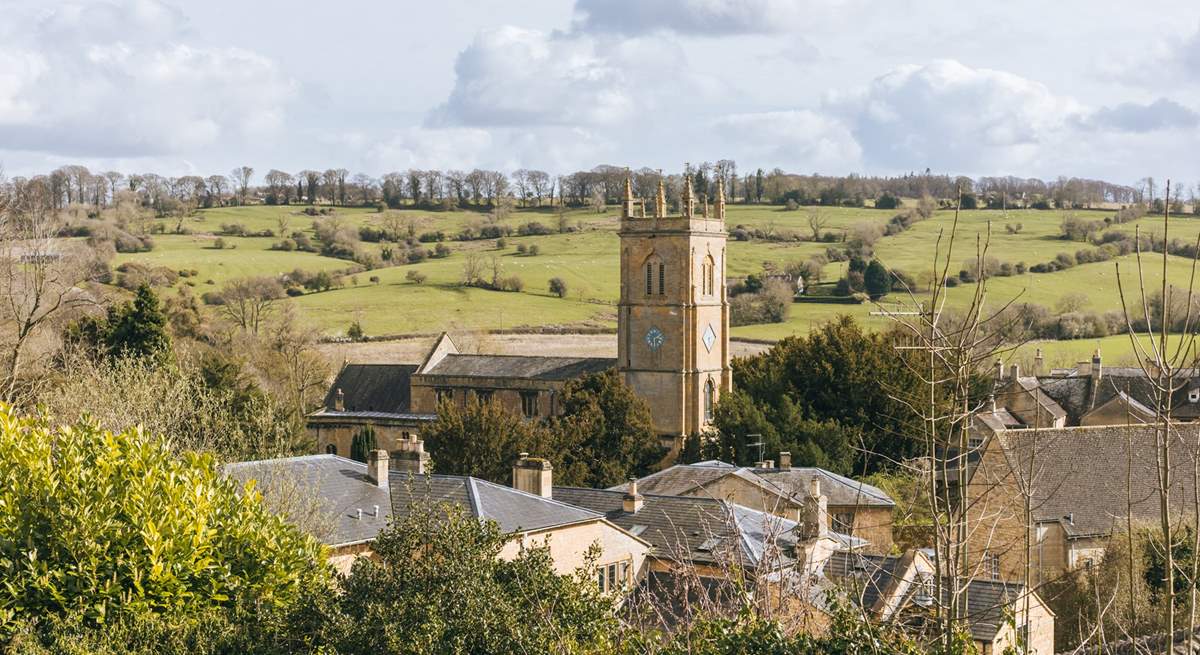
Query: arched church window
[710,392]
[707,276]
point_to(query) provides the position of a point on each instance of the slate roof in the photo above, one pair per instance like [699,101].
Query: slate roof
[700,530]
[341,487]
[337,484]
[791,483]
[871,575]
[513,510]
[986,602]
[373,388]
[519,366]
[1081,472]
[1074,392]
[986,599]
[1045,399]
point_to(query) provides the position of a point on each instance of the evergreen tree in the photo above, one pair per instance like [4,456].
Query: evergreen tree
[139,329]
[362,444]
[136,329]
[877,279]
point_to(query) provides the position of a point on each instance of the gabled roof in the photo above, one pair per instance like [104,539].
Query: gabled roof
[872,576]
[513,510]
[792,484]
[1082,473]
[1081,394]
[694,529]
[987,602]
[1045,400]
[338,486]
[372,388]
[525,367]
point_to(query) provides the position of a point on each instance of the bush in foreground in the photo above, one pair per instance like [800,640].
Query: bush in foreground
[99,527]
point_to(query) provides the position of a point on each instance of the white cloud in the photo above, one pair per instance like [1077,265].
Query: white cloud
[952,117]
[464,148]
[116,79]
[798,140]
[696,17]
[511,77]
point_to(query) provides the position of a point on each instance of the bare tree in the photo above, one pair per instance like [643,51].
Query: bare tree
[241,181]
[817,220]
[247,302]
[40,277]
[1169,363]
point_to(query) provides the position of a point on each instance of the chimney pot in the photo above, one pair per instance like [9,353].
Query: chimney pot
[377,468]
[339,402]
[533,475]
[633,501]
[358,514]
[1016,371]
[785,460]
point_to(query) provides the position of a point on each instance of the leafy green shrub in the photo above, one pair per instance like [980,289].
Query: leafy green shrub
[558,287]
[101,524]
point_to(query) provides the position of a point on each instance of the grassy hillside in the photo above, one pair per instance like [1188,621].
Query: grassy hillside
[587,258]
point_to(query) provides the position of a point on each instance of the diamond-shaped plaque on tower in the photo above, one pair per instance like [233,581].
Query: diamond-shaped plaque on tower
[710,337]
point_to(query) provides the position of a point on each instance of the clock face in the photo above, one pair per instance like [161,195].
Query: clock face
[710,337]
[655,338]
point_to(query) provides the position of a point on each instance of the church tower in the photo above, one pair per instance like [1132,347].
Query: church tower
[673,316]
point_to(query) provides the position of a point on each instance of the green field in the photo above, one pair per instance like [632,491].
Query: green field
[587,259]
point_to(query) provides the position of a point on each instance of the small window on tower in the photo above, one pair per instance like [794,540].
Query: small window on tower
[707,275]
[710,391]
[649,278]
[662,276]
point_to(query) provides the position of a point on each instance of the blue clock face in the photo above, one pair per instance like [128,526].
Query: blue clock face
[655,338]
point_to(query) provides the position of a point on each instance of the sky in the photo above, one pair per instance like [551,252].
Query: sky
[1092,88]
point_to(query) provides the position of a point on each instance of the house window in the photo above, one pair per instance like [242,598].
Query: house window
[331,449]
[529,403]
[710,392]
[842,522]
[613,577]
[992,565]
[444,395]
[924,595]
[484,396]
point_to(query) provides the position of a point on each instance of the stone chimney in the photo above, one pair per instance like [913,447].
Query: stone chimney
[533,475]
[411,457]
[1016,371]
[814,517]
[785,460]
[632,501]
[999,369]
[377,468]
[1038,362]
[339,400]
[1097,370]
